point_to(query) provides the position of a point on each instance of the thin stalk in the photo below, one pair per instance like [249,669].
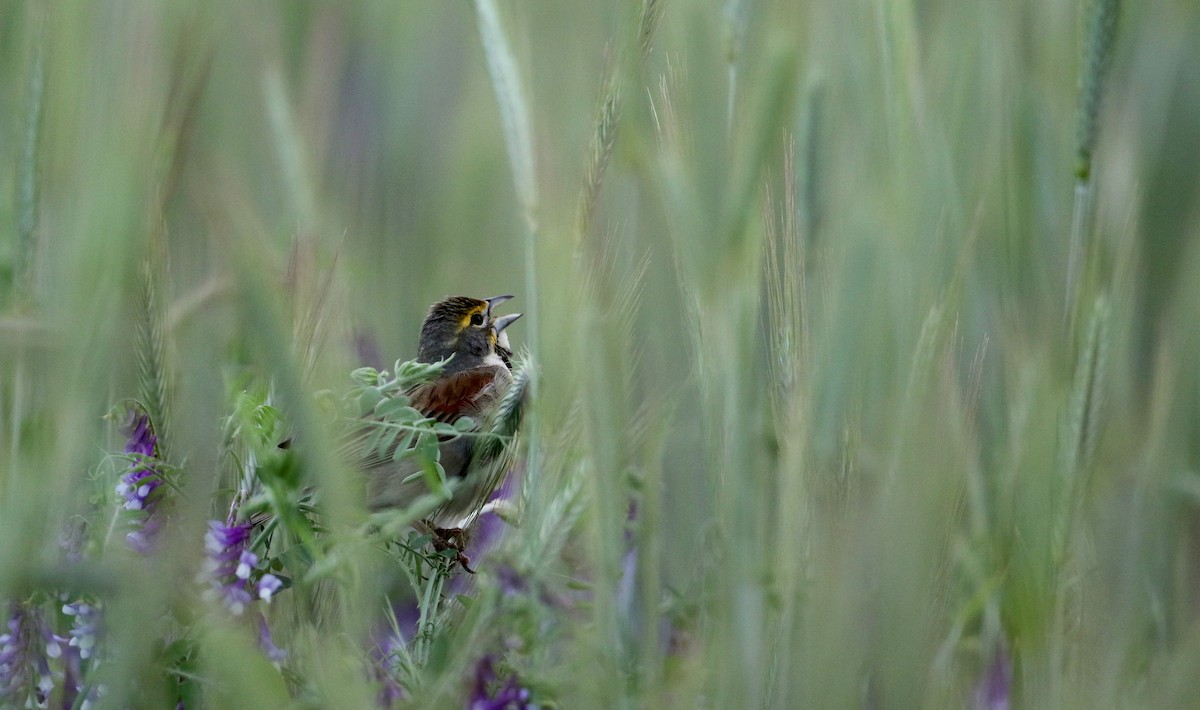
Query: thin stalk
[27,167]
[429,606]
[737,13]
[518,138]
[1101,35]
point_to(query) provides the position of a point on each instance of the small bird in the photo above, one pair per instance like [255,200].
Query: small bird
[464,332]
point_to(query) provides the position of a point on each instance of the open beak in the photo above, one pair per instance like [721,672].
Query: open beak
[495,301]
[504,321]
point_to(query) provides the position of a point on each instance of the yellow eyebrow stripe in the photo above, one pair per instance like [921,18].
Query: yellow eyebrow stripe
[466,319]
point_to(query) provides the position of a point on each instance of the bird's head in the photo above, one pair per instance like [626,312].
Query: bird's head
[465,328]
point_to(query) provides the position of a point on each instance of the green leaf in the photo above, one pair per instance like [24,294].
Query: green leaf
[444,429]
[371,441]
[387,438]
[281,467]
[427,444]
[397,409]
[412,372]
[405,446]
[369,398]
[435,477]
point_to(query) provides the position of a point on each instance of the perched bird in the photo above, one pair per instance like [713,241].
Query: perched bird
[478,372]
[476,381]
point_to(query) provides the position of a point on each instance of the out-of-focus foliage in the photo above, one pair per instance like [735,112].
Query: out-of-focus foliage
[867,368]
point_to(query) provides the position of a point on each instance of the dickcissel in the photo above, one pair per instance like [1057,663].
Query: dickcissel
[466,334]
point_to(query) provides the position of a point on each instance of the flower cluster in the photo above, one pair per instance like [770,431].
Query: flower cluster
[25,649]
[34,660]
[229,566]
[139,482]
[234,578]
[85,627]
[80,649]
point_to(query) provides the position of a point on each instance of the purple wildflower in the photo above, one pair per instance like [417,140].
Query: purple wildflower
[141,438]
[994,688]
[267,643]
[137,485]
[26,647]
[230,569]
[489,694]
[227,565]
[80,649]
[268,584]
[85,627]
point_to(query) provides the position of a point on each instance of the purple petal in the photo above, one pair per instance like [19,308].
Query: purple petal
[267,586]
[994,688]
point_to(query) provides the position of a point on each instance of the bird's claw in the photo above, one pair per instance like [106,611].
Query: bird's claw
[453,539]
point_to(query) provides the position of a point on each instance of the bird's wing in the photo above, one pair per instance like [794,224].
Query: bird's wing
[450,397]
[446,399]
[467,393]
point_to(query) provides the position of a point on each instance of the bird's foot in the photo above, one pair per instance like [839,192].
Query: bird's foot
[453,539]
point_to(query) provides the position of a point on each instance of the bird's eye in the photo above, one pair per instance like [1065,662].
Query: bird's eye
[476,319]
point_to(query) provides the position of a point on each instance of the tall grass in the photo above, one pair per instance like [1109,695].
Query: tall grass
[859,349]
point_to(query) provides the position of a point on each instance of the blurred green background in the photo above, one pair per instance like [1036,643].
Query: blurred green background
[898,398]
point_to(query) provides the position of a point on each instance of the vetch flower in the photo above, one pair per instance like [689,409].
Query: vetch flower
[85,626]
[995,687]
[26,647]
[276,654]
[228,564]
[268,584]
[140,435]
[80,655]
[246,562]
[140,481]
[233,576]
